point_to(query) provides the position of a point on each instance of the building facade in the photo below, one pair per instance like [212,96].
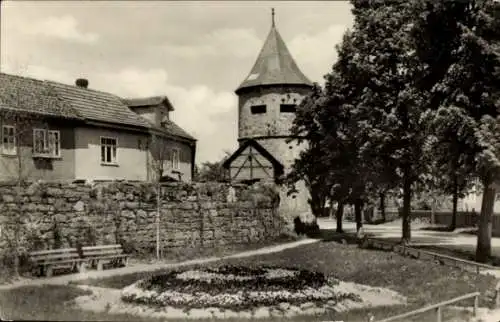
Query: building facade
[53,131]
[267,101]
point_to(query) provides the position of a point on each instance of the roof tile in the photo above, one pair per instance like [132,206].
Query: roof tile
[274,65]
[98,106]
[33,96]
[148,101]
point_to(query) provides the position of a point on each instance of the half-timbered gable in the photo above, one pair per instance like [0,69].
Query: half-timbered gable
[252,162]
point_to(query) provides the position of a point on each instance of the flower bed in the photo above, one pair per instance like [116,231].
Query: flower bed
[236,288]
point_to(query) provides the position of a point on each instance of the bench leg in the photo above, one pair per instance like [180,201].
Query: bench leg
[48,271]
[125,261]
[37,271]
[99,265]
[82,267]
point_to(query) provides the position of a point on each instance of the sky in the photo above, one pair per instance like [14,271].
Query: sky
[196,53]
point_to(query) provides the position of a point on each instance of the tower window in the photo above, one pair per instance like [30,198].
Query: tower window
[287,108]
[258,109]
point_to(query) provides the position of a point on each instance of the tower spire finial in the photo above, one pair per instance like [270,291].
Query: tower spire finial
[272,16]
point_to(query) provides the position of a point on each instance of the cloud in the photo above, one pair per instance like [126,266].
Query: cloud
[238,42]
[63,27]
[316,54]
[208,115]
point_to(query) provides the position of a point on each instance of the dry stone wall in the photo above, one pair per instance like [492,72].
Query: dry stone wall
[54,215]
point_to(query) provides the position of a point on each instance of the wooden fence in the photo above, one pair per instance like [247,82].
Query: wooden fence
[418,253]
[464,219]
[443,260]
[438,308]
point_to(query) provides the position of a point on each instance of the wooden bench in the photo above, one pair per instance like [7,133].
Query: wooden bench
[98,256]
[46,261]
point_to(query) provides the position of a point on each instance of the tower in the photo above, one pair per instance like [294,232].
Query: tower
[267,101]
[267,98]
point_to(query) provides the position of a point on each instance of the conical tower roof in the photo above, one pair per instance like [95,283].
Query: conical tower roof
[275,65]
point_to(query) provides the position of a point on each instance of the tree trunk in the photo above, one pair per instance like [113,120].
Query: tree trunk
[339,215]
[483,250]
[453,225]
[382,206]
[358,213]
[406,207]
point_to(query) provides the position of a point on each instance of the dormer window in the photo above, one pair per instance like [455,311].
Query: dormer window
[258,109]
[288,108]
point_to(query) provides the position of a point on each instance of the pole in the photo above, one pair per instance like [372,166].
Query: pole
[158,221]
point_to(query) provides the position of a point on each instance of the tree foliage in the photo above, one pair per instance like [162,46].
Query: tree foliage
[409,107]
[213,171]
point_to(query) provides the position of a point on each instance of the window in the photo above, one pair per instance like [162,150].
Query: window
[175,159]
[108,150]
[287,108]
[258,109]
[46,143]
[39,141]
[54,143]
[9,140]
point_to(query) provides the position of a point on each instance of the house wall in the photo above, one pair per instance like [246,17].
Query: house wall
[148,113]
[473,202]
[131,155]
[185,161]
[154,114]
[61,168]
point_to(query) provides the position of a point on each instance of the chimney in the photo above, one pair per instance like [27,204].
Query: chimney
[82,82]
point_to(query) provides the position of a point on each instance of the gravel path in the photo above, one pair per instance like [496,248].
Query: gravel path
[65,279]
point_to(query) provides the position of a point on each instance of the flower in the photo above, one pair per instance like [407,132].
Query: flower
[232,287]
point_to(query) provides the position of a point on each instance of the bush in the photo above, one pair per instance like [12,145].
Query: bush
[305,227]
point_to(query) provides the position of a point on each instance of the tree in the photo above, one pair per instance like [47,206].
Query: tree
[454,169]
[310,166]
[213,171]
[468,93]
[389,108]
[160,157]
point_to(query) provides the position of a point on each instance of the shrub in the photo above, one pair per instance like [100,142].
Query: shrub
[303,226]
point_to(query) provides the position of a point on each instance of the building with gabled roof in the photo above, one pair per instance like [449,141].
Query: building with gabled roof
[71,132]
[267,101]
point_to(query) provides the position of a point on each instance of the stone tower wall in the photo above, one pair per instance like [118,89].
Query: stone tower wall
[271,123]
[271,130]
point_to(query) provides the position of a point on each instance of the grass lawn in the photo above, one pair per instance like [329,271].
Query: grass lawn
[183,254]
[422,282]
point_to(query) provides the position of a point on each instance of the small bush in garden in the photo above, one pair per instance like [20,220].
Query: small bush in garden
[129,247]
[303,226]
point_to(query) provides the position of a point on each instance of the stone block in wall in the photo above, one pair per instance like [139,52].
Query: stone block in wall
[54,192]
[207,205]
[8,198]
[79,206]
[187,205]
[71,194]
[131,205]
[141,214]
[128,214]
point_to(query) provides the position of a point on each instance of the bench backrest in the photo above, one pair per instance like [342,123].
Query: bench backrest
[104,250]
[54,255]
